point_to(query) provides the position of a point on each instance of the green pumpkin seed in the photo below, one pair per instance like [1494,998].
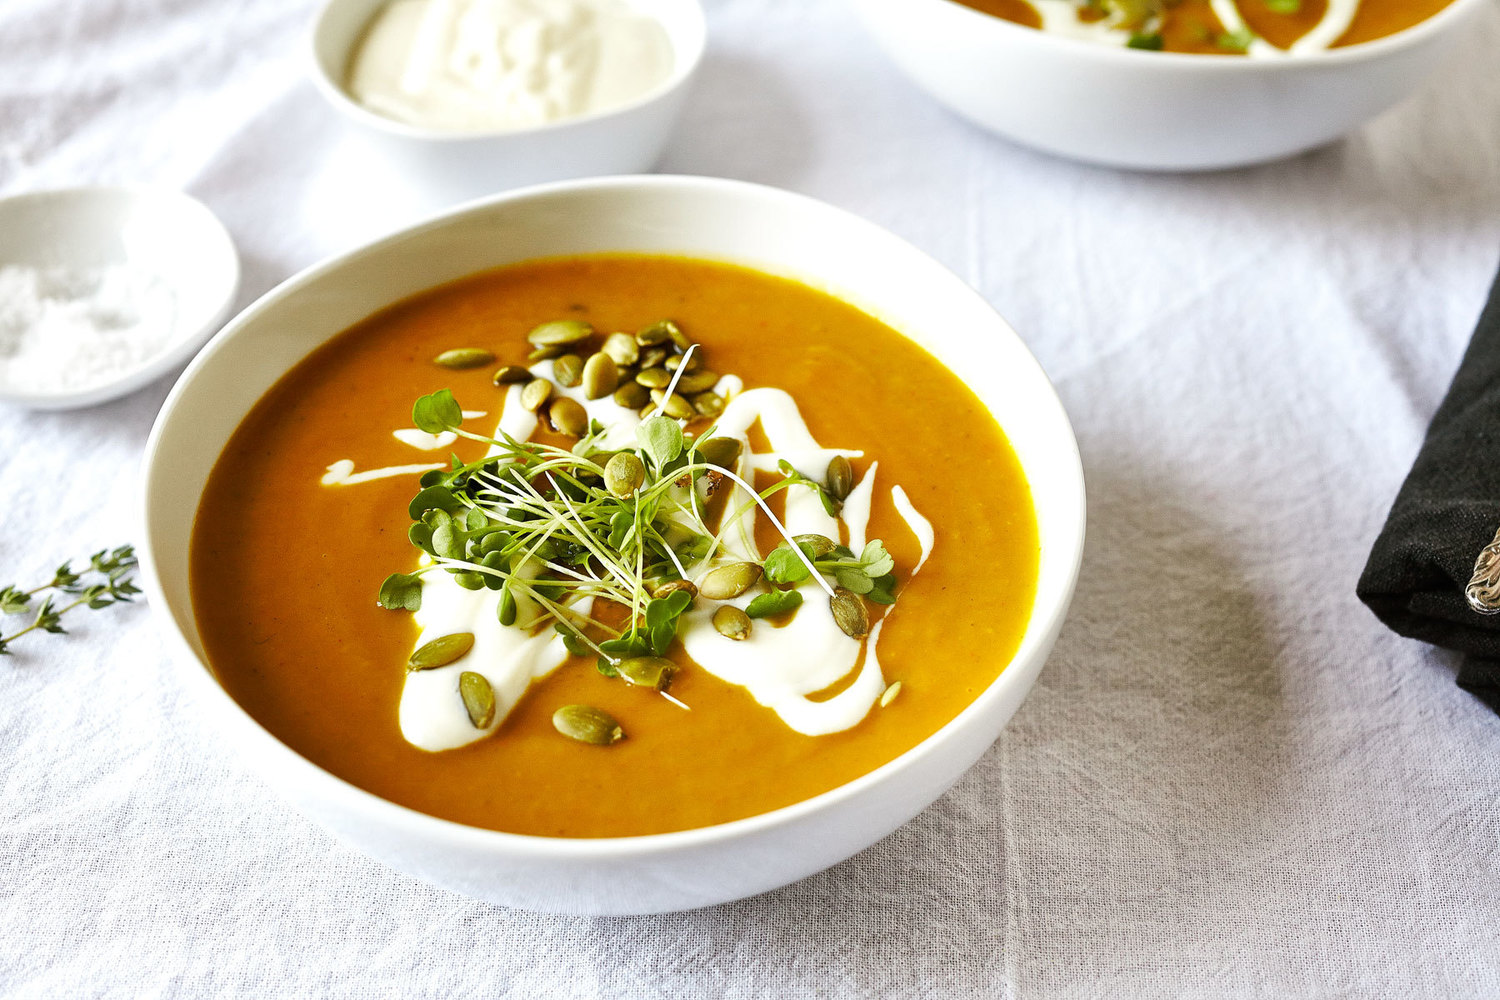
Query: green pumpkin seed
[632,395]
[479,698]
[849,614]
[657,333]
[535,393]
[624,474]
[652,358]
[587,724]
[654,672]
[511,374]
[702,381]
[732,623]
[728,581]
[673,586]
[568,370]
[721,451]
[600,376]
[692,362]
[560,331]
[441,651]
[621,348]
[840,477]
[889,694]
[464,357]
[653,378]
[818,545]
[568,417]
[708,404]
[674,405]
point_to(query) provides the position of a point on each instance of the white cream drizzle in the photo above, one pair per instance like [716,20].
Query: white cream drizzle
[341,473]
[1060,17]
[919,525]
[780,667]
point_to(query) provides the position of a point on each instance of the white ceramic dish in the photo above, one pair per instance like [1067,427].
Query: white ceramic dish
[456,166]
[724,220]
[1151,110]
[166,233]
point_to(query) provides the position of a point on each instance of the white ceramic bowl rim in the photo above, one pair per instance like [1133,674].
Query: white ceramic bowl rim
[1066,547]
[193,329]
[1372,49]
[684,64]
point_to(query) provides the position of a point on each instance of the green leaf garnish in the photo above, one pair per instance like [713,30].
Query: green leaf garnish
[661,440]
[875,560]
[1284,6]
[401,592]
[784,565]
[1235,41]
[437,412]
[774,602]
[883,590]
[1150,41]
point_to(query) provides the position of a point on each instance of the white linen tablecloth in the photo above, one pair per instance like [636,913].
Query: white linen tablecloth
[1230,779]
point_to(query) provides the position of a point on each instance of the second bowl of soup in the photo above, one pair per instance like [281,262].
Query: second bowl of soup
[1168,86]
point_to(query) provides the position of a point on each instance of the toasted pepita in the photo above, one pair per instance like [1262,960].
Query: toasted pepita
[587,724]
[479,698]
[441,651]
[732,623]
[461,358]
[559,331]
[728,581]
[536,392]
[600,376]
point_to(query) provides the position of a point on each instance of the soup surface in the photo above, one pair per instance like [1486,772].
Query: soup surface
[285,569]
[1218,27]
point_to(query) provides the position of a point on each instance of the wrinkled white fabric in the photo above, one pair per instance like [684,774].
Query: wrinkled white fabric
[1229,781]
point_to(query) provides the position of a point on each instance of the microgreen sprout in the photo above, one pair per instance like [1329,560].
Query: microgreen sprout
[539,524]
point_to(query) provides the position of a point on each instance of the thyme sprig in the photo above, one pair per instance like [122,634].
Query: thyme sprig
[106,581]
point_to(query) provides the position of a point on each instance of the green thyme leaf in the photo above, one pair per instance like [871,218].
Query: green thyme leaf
[13,601]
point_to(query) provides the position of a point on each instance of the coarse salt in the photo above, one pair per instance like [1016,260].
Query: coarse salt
[73,329]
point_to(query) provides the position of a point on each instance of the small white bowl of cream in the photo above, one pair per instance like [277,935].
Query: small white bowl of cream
[106,289]
[469,97]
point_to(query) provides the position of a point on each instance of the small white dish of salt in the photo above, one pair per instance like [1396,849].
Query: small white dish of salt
[103,290]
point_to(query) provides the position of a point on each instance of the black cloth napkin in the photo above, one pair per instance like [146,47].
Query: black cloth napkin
[1448,509]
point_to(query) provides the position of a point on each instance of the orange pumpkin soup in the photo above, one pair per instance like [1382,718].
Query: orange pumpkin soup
[1256,26]
[291,546]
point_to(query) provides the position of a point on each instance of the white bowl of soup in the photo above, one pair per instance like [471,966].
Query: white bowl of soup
[443,387]
[1175,90]
[463,98]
